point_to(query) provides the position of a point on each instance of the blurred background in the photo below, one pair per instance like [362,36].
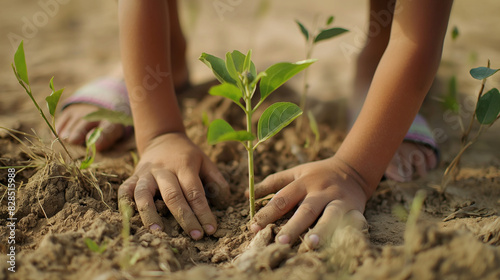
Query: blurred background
[77,41]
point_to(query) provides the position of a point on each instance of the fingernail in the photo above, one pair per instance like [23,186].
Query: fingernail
[155,227]
[284,239]
[195,234]
[209,229]
[314,239]
[255,228]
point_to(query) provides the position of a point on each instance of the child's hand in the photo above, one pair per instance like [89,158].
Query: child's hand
[329,188]
[174,166]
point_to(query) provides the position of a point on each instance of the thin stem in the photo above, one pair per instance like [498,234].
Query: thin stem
[30,94]
[465,136]
[455,162]
[250,149]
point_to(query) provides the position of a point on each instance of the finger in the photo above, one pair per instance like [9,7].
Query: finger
[61,123]
[144,193]
[430,157]
[80,130]
[216,188]
[274,183]
[195,196]
[278,206]
[333,217]
[126,189]
[419,163]
[304,217]
[393,170]
[126,194]
[174,199]
[400,169]
[111,133]
[68,127]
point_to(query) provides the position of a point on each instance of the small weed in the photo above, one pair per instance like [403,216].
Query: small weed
[312,38]
[486,114]
[94,247]
[239,79]
[91,149]
[21,72]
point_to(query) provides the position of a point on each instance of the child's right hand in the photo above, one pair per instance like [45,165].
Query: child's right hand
[176,167]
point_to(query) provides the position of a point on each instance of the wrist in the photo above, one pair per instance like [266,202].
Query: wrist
[349,171]
[153,139]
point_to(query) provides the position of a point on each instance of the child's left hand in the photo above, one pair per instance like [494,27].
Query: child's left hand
[329,188]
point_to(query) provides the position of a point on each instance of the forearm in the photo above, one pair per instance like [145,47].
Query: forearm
[394,99]
[401,81]
[144,41]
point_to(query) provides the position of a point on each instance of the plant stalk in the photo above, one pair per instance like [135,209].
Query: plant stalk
[30,94]
[250,149]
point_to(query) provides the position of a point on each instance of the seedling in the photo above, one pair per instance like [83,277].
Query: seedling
[21,72]
[90,152]
[239,80]
[312,39]
[486,114]
[94,247]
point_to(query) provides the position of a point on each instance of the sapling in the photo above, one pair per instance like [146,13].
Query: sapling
[487,112]
[239,79]
[21,73]
[312,38]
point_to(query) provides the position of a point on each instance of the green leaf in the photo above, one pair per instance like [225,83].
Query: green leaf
[488,107]
[303,29]
[239,60]
[231,67]
[481,73]
[228,91]
[93,246]
[450,100]
[220,131]
[204,119]
[275,118]
[329,20]
[20,63]
[91,149]
[279,73]
[454,33]
[51,84]
[248,62]
[53,99]
[329,33]
[257,79]
[94,137]
[218,67]
[111,116]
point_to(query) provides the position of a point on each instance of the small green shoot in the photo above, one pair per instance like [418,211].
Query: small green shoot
[487,112]
[313,124]
[239,79]
[21,72]
[94,247]
[411,223]
[91,152]
[312,38]
[454,33]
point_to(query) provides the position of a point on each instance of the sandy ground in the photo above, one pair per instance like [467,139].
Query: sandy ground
[76,41]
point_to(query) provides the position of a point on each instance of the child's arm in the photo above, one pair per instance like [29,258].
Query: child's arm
[340,186]
[170,163]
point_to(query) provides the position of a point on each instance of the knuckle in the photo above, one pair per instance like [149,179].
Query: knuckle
[172,197]
[195,197]
[279,203]
[309,210]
